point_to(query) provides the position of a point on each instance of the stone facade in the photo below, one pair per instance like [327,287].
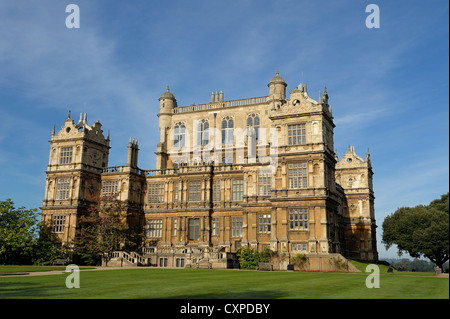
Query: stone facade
[257,172]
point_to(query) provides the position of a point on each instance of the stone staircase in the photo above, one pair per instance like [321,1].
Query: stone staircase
[125,259]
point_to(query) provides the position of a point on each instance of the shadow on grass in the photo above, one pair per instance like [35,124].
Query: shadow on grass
[21,290]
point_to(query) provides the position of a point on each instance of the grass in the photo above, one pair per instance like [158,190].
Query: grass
[10,269]
[221,284]
[361,265]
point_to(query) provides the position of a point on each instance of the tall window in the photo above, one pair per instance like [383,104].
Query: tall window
[203,132]
[216,191]
[298,175]
[175,227]
[62,188]
[154,228]
[215,227]
[194,229]
[227,130]
[298,219]
[238,189]
[264,223]
[264,185]
[179,135]
[236,226]
[253,123]
[175,196]
[296,134]
[110,188]
[194,191]
[155,193]
[58,222]
[65,155]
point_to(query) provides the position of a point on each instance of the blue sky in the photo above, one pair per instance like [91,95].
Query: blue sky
[388,87]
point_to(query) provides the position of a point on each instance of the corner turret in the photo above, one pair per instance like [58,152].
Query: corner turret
[277,88]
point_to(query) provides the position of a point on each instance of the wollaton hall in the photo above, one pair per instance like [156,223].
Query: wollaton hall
[260,172]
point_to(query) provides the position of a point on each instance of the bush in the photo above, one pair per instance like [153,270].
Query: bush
[248,258]
[299,261]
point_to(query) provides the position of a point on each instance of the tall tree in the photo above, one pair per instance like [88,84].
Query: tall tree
[104,229]
[17,233]
[420,231]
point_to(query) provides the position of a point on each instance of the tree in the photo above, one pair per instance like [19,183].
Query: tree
[45,248]
[103,230]
[17,233]
[248,258]
[421,230]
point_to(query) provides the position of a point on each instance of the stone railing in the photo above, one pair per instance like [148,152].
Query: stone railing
[218,105]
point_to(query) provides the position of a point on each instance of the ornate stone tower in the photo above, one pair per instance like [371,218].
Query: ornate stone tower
[277,88]
[354,174]
[78,153]
[167,103]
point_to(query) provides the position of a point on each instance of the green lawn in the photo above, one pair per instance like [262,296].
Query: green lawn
[27,269]
[211,284]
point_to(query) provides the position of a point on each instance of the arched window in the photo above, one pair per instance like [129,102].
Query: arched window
[179,135]
[227,130]
[203,132]
[253,123]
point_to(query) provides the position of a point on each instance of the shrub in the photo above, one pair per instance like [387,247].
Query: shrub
[299,261]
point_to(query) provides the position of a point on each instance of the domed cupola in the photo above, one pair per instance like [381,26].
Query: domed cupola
[167,101]
[277,87]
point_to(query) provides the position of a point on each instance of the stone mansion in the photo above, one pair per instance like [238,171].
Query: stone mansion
[259,172]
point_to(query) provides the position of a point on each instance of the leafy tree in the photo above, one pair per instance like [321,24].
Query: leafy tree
[421,230]
[23,239]
[17,233]
[103,230]
[248,258]
[45,248]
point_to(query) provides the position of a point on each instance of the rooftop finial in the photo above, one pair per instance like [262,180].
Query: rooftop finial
[167,87]
[68,116]
[278,73]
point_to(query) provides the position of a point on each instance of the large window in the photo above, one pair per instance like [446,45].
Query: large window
[179,135]
[298,175]
[216,191]
[264,223]
[155,193]
[264,185]
[253,124]
[194,191]
[227,130]
[194,229]
[296,134]
[175,196]
[298,219]
[154,228]
[58,222]
[203,132]
[236,226]
[62,188]
[215,227]
[65,155]
[175,227]
[110,188]
[238,189]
